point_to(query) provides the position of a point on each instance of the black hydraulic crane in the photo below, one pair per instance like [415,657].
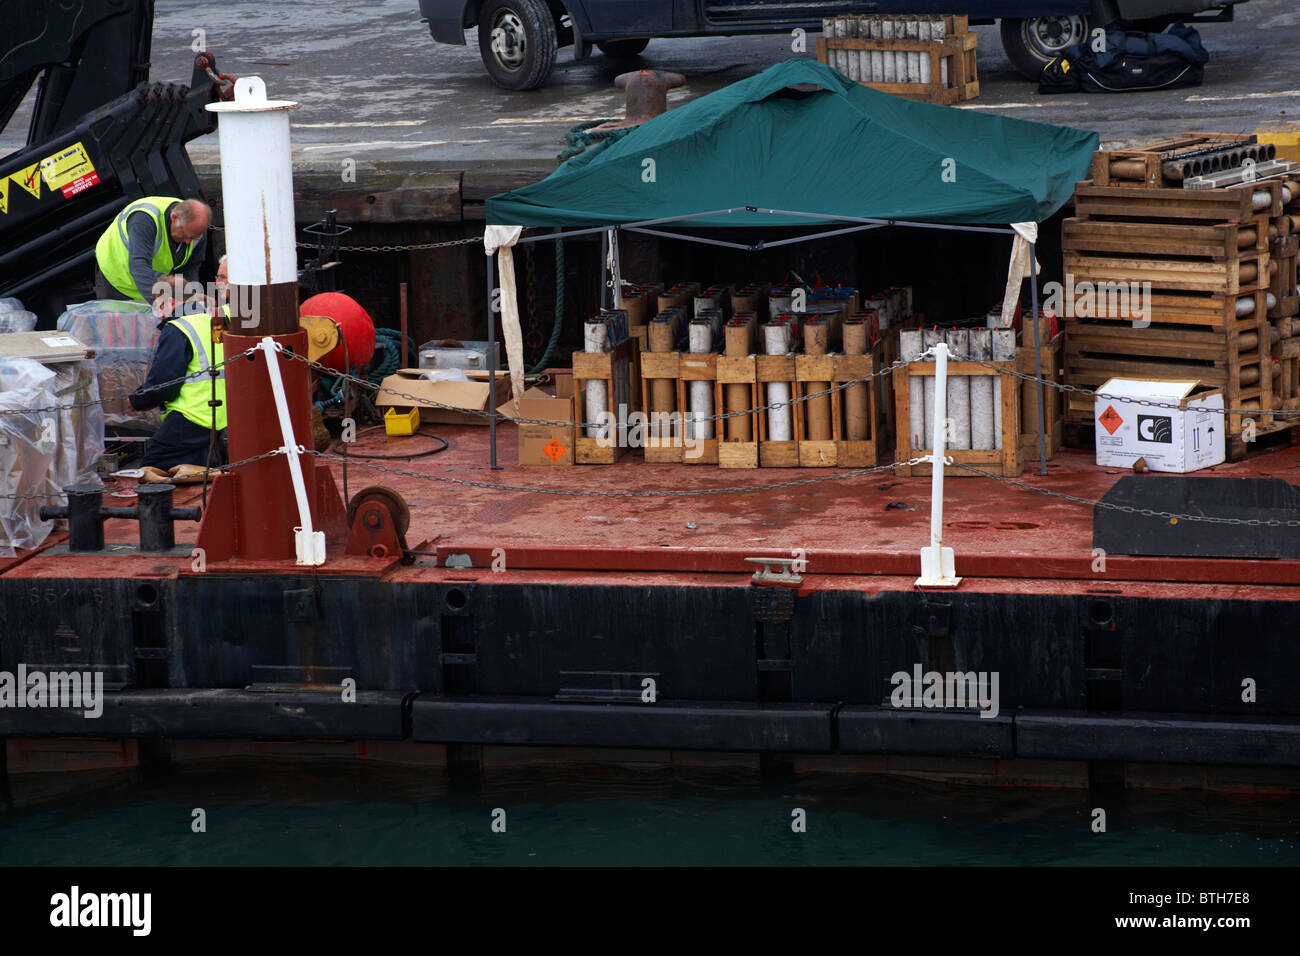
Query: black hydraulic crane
[101,135]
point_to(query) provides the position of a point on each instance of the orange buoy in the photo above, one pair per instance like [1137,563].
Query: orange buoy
[354,322]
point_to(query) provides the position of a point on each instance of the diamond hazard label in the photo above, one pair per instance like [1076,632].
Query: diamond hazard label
[1110,419]
[553,450]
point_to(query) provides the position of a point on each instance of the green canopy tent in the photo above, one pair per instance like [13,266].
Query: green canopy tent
[800,144]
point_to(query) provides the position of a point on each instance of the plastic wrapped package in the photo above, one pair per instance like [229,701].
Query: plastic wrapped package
[10,305]
[28,447]
[80,430]
[17,321]
[123,335]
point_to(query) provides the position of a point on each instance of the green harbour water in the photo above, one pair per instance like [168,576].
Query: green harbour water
[330,813]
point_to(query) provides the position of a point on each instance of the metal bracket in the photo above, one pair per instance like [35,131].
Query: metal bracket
[778,572]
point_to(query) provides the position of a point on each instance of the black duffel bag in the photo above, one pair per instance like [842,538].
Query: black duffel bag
[1130,60]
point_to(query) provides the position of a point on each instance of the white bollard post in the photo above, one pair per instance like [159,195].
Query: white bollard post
[938,567]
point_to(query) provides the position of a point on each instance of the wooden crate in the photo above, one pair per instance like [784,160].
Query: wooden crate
[1095,352]
[880,408]
[777,454]
[610,367]
[814,374]
[664,448]
[1006,462]
[738,370]
[1223,276]
[698,367]
[1152,157]
[959,51]
[1230,204]
[1215,241]
[1053,404]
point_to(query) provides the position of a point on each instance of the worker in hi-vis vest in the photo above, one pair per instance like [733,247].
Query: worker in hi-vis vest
[151,249]
[189,345]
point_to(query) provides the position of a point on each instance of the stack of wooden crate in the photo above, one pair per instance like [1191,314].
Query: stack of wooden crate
[930,58]
[1177,287]
[1284,311]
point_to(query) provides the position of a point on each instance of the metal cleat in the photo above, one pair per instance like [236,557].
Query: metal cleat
[776,571]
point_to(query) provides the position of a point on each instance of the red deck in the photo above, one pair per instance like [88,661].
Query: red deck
[1006,539]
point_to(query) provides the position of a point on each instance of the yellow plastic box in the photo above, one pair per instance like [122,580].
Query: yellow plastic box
[401,422]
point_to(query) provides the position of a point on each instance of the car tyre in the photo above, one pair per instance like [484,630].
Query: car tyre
[518,43]
[1032,42]
[622,49]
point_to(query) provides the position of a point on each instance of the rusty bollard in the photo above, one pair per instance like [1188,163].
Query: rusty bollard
[647,96]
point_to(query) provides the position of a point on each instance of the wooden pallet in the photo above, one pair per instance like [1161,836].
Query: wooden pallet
[664,446]
[1228,277]
[1153,157]
[622,363]
[1053,404]
[1095,352]
[880,408]
[1213,206]
[959,52]
[738,370]
[1006,462]
[1216,242]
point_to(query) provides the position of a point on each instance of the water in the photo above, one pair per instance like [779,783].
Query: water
[330,814]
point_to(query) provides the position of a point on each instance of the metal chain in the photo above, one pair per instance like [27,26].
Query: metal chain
[193,377]
[398,248]
[1129,509]
[483,413]
[236,464]
[1151,403]
[584,493]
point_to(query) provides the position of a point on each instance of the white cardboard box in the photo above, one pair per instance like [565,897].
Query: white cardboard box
[1176,440]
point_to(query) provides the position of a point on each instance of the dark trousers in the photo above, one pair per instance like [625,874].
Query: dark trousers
[104,289]
[178,441]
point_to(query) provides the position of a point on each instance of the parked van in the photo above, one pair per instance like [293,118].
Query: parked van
[519,39]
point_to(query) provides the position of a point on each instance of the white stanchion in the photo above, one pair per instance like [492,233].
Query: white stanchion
[309,543]
[938,564]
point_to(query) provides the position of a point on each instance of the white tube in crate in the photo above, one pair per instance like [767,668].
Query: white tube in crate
[1004,350]
[850,57]
[981,392]
[595,338]
[700,420]
[938,32]
[876,60]
[959,435]
[887,56]
[929,339]
[909,350]
[923,34]
[912,29]
[776,341]
[900,56]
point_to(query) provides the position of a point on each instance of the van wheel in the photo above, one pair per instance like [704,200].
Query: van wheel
[1032,42]
[517,41]
[622,49]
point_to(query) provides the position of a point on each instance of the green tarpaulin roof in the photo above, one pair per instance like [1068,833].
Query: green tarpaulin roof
[842,150]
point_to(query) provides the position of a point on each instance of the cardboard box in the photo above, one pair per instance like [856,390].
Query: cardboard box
[543,445]
[472,395]
[1173,440]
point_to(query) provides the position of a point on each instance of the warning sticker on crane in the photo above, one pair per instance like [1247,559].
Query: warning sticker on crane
[69,170]
[4,195]
[29,179]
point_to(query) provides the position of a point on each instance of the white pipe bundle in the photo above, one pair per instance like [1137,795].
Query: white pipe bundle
[929,339]
[959,410]
[875,32]
[981,392]
[776,341]
[911,30]
[596,339]
[887,57]
[699,421]
[938,33]
[909,350]
[924,32]
[852,69]
[1004,350]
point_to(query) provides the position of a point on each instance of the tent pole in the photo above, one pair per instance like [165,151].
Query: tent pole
[492,364]
[1038,360]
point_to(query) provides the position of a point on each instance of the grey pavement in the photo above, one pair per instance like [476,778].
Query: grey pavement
[375,88]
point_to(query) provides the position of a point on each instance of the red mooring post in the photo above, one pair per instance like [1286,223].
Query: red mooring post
[253,511]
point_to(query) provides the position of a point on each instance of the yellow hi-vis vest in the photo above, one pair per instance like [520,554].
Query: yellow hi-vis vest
[114,257]
[196,393]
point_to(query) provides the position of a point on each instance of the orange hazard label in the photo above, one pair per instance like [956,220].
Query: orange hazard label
[1110,419]
[553,450]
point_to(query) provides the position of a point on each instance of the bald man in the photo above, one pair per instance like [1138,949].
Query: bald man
[152,248]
